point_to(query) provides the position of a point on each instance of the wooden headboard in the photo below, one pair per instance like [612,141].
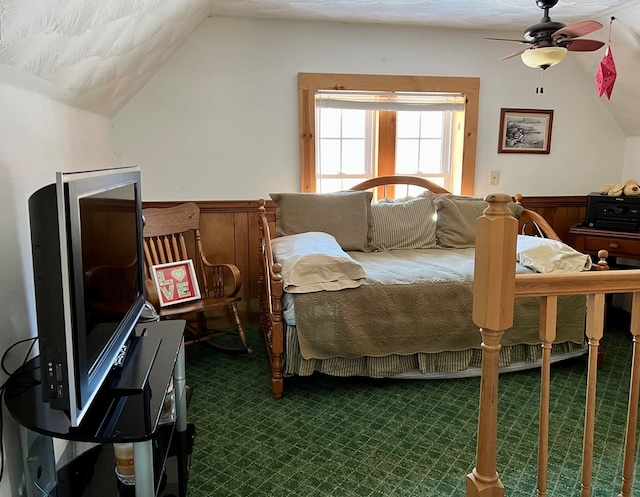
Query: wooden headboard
[530,222]
[386,181]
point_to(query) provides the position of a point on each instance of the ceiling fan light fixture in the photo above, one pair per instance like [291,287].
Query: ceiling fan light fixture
[543,57]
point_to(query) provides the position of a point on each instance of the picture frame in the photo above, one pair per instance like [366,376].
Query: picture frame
[525,131]
[175,282]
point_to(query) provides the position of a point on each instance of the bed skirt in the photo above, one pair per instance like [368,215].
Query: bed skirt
[453,364]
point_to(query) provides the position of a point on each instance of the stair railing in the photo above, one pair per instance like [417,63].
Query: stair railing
[495,288]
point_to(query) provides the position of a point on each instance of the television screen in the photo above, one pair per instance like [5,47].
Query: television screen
[108,267]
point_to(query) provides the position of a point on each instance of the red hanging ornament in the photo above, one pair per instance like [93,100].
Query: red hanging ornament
[606,75]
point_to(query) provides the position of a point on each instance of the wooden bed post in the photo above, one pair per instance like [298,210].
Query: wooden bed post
[270,290]
[493,301]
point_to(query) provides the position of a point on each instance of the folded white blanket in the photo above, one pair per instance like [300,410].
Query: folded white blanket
[313,262]
[550,256]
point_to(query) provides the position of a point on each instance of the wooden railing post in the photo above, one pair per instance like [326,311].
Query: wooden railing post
[493,300]
[594,331]
[634,395]
[548,321]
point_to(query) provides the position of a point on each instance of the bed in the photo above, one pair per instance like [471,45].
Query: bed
[400,306]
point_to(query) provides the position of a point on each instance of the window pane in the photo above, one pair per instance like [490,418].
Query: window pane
[349,182]
[413,191]
[329,120]
[353,123]
[330,185]
[407,156]
[431,124]
[438,180]
[329,155]
[353,157]
[430,156]
[408,124]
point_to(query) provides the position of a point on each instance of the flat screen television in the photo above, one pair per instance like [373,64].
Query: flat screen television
[88,264]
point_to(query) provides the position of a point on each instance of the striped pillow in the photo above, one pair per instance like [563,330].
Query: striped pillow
[404,224]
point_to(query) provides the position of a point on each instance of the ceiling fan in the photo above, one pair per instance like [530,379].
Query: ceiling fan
[549,41]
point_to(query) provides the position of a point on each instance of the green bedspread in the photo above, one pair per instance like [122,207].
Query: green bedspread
[414,301]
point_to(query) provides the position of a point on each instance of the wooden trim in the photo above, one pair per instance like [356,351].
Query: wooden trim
[384,82]
[555,201]
[387,143]
[307,116]
[386,149]
[470,142]
[213,205]
[309,83]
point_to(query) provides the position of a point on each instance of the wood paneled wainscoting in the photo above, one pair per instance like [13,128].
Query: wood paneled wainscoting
[229,230]
[561,212]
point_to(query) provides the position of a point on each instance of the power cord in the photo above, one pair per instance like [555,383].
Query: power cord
[29,382]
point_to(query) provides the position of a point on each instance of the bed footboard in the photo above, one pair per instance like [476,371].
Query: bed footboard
[270,290]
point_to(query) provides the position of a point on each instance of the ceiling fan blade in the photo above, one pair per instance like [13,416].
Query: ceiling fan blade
[514,54]
[507,39]
[582,45]
[578,29]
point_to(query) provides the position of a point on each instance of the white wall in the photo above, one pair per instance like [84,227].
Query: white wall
[632,158]
[37,138]
[220,120]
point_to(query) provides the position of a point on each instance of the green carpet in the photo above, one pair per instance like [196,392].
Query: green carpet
[358,437]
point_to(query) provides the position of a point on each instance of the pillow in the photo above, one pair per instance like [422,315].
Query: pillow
[345,215]
[313,261]
[404,224]
[550,256]
[457,216]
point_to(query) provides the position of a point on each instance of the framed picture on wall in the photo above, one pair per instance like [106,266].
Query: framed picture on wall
[175,282]
[525,131]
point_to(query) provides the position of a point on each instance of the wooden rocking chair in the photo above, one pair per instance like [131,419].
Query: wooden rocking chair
[173,234]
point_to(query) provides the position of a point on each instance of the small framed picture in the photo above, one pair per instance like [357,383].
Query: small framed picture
[175,282]
[525,131]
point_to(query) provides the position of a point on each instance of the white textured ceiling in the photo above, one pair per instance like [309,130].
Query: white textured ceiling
[96,54]
[471,14]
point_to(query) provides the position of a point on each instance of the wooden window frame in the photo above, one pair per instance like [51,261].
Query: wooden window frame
[310,83]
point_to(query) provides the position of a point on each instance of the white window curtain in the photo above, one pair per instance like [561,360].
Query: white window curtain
[394,101]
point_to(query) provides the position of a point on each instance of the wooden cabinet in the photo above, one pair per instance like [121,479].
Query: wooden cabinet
[617,243]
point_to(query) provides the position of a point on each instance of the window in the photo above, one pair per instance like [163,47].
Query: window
[354,127]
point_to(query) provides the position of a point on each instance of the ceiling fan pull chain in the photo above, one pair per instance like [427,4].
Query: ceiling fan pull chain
[610,23]
[540,88]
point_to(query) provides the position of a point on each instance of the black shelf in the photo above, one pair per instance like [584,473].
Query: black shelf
[92,473]
[117,414]
[128,408]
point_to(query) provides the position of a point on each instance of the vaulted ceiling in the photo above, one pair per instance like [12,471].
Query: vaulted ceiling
[96,54]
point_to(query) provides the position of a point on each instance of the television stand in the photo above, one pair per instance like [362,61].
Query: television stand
[128,412]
